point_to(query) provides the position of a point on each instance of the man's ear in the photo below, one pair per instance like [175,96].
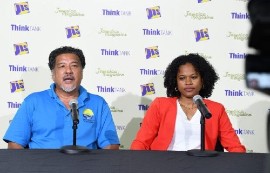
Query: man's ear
[53,76]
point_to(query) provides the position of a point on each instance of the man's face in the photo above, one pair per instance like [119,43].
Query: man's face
[68,72]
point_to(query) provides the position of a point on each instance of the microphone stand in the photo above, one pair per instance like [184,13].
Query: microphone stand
[74,149]
[202,152]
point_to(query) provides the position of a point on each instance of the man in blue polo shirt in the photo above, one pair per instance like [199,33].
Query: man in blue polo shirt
[44,119]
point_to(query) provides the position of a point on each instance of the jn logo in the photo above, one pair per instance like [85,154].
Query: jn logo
[153,12]
[21,8]
[202,1]
[201,35]
[151,52]
[148,89]
[73,32]
[16,86]
[21,48]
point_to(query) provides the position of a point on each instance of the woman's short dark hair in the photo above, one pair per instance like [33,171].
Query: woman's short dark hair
[63,50]
[201,65]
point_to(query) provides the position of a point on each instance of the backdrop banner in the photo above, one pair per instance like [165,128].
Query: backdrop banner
[128,45]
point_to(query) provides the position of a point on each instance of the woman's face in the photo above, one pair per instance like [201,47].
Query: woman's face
[189,81]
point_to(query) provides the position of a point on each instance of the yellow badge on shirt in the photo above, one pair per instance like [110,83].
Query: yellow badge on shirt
[88,113]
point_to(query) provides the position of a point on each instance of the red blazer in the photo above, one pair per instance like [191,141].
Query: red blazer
[158,125]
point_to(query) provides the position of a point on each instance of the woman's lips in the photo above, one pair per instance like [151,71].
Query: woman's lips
[189,89]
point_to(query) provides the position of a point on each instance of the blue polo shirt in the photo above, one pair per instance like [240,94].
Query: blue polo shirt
[42,121]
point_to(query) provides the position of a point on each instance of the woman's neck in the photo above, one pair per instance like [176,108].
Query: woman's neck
[187,103]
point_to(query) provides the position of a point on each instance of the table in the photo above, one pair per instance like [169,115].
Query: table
[127,161]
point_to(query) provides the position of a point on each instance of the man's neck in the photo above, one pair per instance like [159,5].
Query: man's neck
[66,96]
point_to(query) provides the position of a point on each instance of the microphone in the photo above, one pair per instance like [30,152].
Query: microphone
[74,110]
[74,149]
[197,99]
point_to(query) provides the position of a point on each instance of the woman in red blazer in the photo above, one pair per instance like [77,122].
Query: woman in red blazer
[173,122]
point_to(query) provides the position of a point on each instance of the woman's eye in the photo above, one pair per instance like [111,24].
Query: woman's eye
[181,78]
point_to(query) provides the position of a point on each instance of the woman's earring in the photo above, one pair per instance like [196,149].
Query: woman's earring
[175,89]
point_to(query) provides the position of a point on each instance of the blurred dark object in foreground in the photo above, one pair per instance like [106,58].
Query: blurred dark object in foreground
[267,169]
[257,67]
[268,129]
[259,13]
[258,72]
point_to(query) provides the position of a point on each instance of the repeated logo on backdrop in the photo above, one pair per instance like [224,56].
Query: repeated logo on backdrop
[202,1]
[114,52]
[147,89]
[151,72]
[21,48]
[16,86]
[110,89]
[151,52]
[110,12]
[21,8]
[238,36]
[111,32]
[201,34]
[22,68]
[143,107]
[234,76]
[238,93]
[15,27]
[114,109]
[13,105]
[234,55]
[206,56]
[241,131]
[69,12]
[109,73]
[153,12]
[238,113]
[198,15]
[156,32]
[73,32]
[237,15]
